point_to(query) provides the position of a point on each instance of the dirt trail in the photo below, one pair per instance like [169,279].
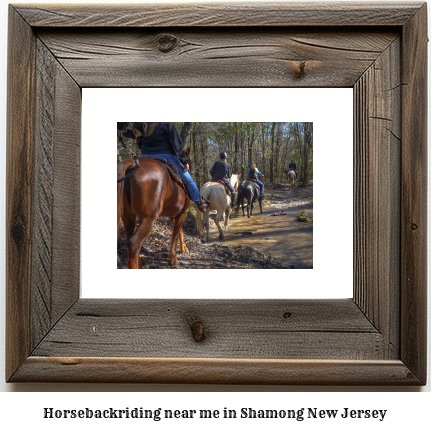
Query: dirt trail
[276,232]
[272,240]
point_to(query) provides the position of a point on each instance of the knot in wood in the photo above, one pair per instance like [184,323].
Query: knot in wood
[167,42]
[197,327]
[18,233]
[300,69]
[414,226]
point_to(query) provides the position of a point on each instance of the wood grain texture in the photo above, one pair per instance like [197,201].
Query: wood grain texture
[67,194]
[215,371]
[378,338]
[19,197]
[234,329]
[220,15]
[43,194]
[414,194]
[55,268]
[377,185]
[210,57]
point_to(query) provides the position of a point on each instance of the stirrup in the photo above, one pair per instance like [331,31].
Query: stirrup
[202,207]
[206,200]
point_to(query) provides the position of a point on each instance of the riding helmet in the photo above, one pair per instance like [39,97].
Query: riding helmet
[223,155]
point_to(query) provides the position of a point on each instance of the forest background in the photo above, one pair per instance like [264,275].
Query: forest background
[270,145]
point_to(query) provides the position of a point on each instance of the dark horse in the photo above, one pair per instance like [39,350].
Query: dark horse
[147,194]
[250,191]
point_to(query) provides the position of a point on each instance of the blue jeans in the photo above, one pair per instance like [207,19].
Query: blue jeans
[260,183]
[188,181]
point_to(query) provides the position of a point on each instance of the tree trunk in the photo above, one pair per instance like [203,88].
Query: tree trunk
[235,165]
[271,157]
[250,146]
[185,132]
[196,160]
[277,152]
[263,137]
[308,142]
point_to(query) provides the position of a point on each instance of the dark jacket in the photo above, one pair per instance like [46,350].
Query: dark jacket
[252,174]
[292,165]
[164,140]
[221,171]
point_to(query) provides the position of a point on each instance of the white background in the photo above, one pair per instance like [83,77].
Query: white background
[330,110]
[407,409]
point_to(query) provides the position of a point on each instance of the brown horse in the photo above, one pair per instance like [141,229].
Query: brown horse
[147,194]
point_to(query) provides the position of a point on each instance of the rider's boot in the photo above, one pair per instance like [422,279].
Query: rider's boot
[201,206]
[233,204]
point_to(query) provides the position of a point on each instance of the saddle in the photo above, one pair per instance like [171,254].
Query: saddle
[256,188]
[225,188]
[252,180]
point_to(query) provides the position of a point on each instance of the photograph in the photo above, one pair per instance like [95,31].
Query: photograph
[220,195]
[301,111]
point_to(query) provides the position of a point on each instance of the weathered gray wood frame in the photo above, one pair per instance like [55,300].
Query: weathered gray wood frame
[378,337]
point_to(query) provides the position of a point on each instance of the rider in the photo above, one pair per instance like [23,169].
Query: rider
[252,174]
[221,171]
[292,166]
[163,140]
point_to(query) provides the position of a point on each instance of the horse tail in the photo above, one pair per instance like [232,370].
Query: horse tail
[121,186]
[199,223]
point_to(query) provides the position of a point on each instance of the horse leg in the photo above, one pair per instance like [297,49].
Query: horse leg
[183,246]
[177,235]
[129,223]
[181,242]
[260,204]
[217,222]
[135,242]
[227,215]
[207,223]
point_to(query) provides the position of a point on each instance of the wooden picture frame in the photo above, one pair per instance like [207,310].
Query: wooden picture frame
[378,337]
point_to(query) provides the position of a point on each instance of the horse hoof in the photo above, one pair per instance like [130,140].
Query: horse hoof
[184,250]
[174,262]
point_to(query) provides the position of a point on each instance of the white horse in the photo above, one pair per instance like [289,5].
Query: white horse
[291,175]
[220,201]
